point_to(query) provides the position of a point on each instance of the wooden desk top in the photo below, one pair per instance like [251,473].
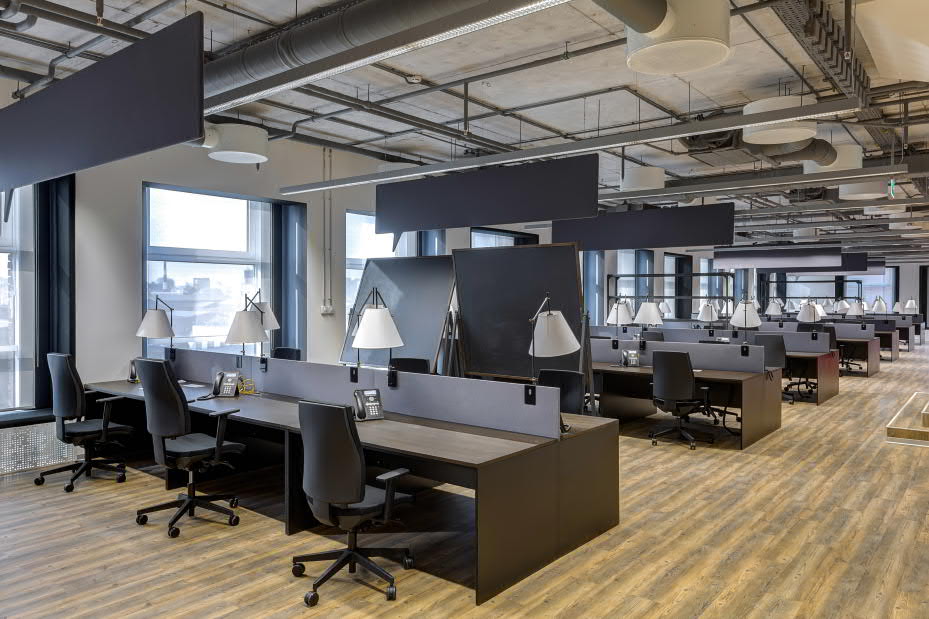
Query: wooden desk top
[720,376]
[447,442]
[855,339]
[807,355]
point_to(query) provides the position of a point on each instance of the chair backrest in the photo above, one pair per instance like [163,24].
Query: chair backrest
[775,351]
[571,385]
[410,364]
[166,411]
[68,401]
[282,352]
[333,460]
[673,376]
[833,338]
[653,336]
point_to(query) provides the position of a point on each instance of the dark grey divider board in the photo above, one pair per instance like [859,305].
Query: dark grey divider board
[702,356]
[852,330]
[417,291]
[804,342]
[500,289]
[608,331]
[779,327]
[202,365]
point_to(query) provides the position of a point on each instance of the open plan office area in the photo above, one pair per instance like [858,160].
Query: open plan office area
[464,308]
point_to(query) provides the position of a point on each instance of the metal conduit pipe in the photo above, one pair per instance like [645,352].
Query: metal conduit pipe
[77,19]
[12,10]
[351,27]
[77,51]
[17,74]
[640,15]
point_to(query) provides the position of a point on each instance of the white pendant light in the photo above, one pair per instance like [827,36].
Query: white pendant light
[745,316]
[773,309]
[620,314]
[377,330]
[898,308]
[240,144]
[708,313]
[648,314]
[155,324]
[553,336]
[777,133]
[693,36]
[265,315]
[246,329]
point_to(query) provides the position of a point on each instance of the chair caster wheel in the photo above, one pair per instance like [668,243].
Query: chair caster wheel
[69,488]
[234,502]
[408,562]
[391,593]
[233,521]
[716,422]
[141,520]
[298,569]
[654,442]
[692,446]
[38,481]
[311,598]
[174,532]
[120,478]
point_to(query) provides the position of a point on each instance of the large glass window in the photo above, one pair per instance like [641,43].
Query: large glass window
[430,243]
[800,287]
[669,283]
[204,253]
[492,237]
[17,304]
[592,262]
[872,286]
[361,243]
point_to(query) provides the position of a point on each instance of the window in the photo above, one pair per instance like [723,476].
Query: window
[592,262]
[873,286]
[670,284]
[705,265]
[17,304]
[801,287]
[430,243]
[492,237]
[644,264]
[361,243]
[203,254]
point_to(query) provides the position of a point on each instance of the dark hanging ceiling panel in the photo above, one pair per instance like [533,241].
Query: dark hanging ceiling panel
[513,194]
[666,227]
[142,98]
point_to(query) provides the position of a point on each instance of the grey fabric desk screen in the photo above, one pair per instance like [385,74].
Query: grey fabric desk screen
[852,330]
[702,356]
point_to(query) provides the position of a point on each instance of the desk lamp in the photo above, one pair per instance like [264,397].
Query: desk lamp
[551,337]
[664,308]
[377,331]
[620,315]
[842,306]
[157,324]
[910,307]
[898,308]
[268,323]
[820,311]
[864,306]
[745,317]
[880,306]
[829,306]
[855,309]
[773,309]
[791,307]
[708,314]
[246,328]
[756,304]
[807,313]
[648,315]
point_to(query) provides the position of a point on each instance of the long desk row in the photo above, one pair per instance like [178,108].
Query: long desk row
[535,498]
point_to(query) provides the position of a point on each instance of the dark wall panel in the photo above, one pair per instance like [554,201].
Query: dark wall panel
[145,97]
[499,291]
[666,227]
[513,194]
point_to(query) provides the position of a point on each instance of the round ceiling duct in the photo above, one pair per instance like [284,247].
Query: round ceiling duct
[869,190]
[693,36]
[777,133]
[848,157]
[241,144]
[902,225]
[643,177]
[890,209]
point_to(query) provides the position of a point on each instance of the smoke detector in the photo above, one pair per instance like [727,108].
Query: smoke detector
[693,36]
[777,133]
[240,144]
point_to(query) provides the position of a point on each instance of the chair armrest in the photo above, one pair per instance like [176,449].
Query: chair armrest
[107,403]
[110,399]
[90,391]
[221,431]
[224,413]
[390,478]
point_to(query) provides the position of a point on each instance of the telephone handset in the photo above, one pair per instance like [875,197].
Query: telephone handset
[368,405]
[225,385]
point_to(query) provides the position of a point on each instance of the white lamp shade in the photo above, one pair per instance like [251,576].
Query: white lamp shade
[377,330]
[820,311]
[807,314]
[791,306]
[879,307]
[553,336]
[648,314]
[898,308]
[842,306]
[708,313]
[246,329]
[745,316]
[756,304]
[855,309]
[773,309]
[620,314]
[266,316]
[911,307]
[829,306]
[727,309]
[865,306]
[155,324]
[664,308]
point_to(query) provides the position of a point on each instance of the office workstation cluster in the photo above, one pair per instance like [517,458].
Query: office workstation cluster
[463,308]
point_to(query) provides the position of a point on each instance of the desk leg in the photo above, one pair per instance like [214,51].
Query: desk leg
[761,407]
[827,377]
[297,515]
[517,519]
[873,356]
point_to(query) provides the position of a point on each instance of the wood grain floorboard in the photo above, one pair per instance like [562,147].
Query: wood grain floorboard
[824,518]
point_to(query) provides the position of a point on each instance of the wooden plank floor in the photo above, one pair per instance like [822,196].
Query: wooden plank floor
[822,519]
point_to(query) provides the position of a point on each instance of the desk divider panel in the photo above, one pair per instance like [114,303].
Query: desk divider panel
[702,356]
[489,404]
[852,330]
[786,326]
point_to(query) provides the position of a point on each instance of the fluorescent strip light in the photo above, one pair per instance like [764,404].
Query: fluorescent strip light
[715,124]
[223,101]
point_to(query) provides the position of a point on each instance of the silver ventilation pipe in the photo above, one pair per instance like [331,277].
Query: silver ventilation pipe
[354,25]
[12,10]
[813,149]
[640,15]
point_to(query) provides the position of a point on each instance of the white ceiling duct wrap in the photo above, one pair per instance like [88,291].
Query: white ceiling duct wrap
[777,133]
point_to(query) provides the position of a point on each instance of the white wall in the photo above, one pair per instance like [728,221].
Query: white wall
[909,282]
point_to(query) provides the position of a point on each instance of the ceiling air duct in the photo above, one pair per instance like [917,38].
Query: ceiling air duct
[667,37]
[643,177]
[240,144]
[777,133]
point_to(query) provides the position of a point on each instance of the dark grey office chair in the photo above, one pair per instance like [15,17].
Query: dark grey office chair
[410,364]
[675,391]
[69,402]
[653,336]
[775,357]
[176,447]
[282,352]
[334,483]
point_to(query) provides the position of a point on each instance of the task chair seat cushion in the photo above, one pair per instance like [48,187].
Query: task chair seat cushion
[373,502]
[193,445]
[91,427]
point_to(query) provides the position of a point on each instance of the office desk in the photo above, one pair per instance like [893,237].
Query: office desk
[907,333]
[867,349]
[757,394]
[891,340]
[535,499]
[821,367]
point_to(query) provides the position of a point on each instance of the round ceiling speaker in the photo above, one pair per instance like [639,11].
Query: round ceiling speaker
[847,157]
[777,133]
[693,36]
[869,190]
[889,209]
[643,177]
[241,144]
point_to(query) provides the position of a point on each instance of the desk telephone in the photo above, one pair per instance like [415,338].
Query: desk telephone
[225,385]
[368,405]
